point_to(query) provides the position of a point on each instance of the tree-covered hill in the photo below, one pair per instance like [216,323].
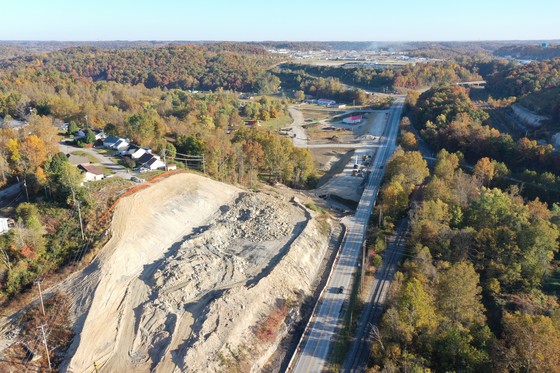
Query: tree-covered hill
[518,80]
[224,65]
[532,52]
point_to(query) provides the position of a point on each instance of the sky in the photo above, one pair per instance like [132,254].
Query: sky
[303,20]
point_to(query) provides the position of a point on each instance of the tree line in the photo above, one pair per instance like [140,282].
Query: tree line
[469,297]
[409,76]
[529,52]
[207,67]
[448,119]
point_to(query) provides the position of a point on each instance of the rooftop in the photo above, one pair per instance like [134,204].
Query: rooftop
[91,169]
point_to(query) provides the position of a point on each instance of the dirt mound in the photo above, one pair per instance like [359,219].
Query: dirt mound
[192,267]
[144,227]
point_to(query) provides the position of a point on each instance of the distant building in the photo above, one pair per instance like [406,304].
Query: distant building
[354,119]
[155,164]
[121,145]
[137,152]
[150,162]
[544,45]
[144,158]
[91,173]
[99,134]
[110,141]
[171,167]
[325,102]
[4,226]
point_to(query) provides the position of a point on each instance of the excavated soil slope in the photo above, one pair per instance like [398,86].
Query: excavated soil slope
[192,267]
[144,227]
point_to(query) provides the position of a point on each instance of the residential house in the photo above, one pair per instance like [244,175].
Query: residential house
[155,164]
[136,152]
[171,167]
[91,173]
[143,159]
[150,161]
[4,225]
[110,141]
[325,102]
[99,135]
[121,145]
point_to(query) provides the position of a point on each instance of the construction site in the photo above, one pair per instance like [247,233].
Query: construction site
[197,275]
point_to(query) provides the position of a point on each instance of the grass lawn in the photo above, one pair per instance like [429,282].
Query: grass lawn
[150,174]
[106,152]
[277,123]
[96,186]
[106,171]
[81,153]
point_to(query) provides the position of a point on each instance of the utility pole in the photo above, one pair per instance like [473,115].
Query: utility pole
[203,165]
[81,223]
[79,212]
[38,282]
[25,186]
[46,346]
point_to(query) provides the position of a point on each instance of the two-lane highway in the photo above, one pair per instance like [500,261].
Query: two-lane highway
[325,323]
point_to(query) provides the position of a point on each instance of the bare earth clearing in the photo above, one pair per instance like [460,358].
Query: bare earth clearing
[192,268]
[343,184]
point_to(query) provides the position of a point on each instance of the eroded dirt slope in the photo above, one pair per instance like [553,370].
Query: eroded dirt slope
[192,268]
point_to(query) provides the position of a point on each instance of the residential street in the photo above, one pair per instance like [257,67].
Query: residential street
[104,161]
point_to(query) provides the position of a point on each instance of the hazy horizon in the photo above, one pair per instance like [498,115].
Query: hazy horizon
[290,20]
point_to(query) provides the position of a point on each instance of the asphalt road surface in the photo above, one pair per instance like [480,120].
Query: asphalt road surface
[325,322]
[358,355]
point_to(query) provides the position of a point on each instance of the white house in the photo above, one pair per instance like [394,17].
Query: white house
[121,145]
[99,135]
[137,153]
[91,173]
[4,227]
[150,161]
[155,164]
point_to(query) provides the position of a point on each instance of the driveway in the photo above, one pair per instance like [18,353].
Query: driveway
[300,138]
[103,159]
